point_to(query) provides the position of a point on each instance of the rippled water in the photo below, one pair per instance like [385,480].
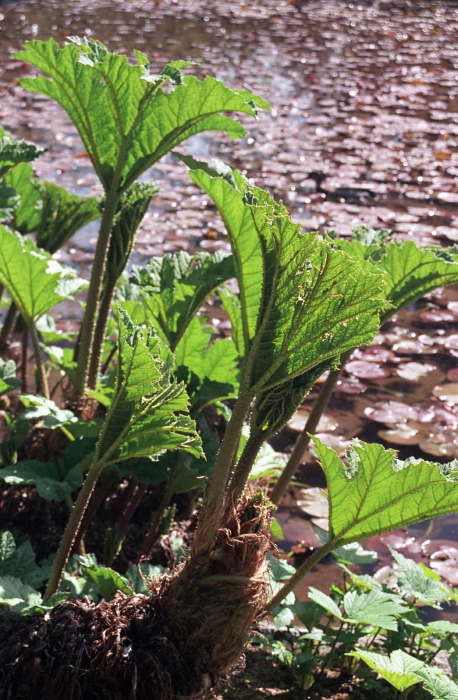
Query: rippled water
[363,93]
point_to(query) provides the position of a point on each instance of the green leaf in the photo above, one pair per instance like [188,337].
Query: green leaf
[414,581]
[354,553]
[8,380]
[19,562]
[280,652]
[37,407]
[438,683]
[399,669]
[175,286]
[126,121]
[108,581]
[46,476]
[18,595]
[410,271]
[34,280]
[148,412]
[372,608]
[377,492]
[13,152]
[209,369]
[138,577]
[302,302]
[62,215]
[326,602]
[27,214]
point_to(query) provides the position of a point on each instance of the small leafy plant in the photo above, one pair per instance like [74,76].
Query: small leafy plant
[383,625]
[154,399]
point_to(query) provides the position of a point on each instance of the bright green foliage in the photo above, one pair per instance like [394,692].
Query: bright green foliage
[173,288]
[62,215]
[107,581]
[19,561]
[26,215]
[209,369]
[47,209]
[419,581]
[13,152]
[148,411]
[373,608]
[125,119]
[410,271]
[299,304]
[35,281]
[438,683]
[8,380]
[398,669]
[378,492]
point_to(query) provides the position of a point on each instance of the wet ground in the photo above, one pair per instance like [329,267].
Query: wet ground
[363,129]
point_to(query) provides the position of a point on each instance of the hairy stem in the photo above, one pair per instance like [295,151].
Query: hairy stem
[71,530]
[303,440]
[96,500]
[154,527]
[214,498]
[304,569]
[41,378]
[99,333]
[244,466]
[98,269]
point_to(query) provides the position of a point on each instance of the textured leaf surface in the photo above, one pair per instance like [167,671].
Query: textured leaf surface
[13,152]
[148,413]
[302,302]
[378,492]
[174,287]
[414,581]
[438,683]
[372,608]
[410,271]
[398,669]
[125,119]
[35,281]
[27,213]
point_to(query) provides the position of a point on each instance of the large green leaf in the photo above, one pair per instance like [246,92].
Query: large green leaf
[410,271]
[34,280]
[377,492]
[149,412]
[302,302]
[125,119]
[174,287]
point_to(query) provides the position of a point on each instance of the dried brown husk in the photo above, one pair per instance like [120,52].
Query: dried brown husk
[172,644]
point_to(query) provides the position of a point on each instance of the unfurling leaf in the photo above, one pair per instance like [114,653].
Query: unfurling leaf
[148,413]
